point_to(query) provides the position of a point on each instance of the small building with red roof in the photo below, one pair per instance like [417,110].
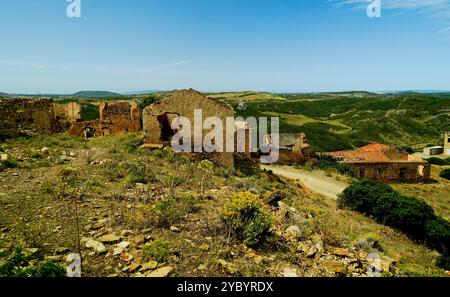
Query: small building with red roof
[382,162]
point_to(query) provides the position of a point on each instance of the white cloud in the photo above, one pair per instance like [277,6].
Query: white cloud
[436,9]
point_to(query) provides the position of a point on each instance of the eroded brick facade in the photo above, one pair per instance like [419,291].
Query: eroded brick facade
[114,117]
[26,116]
[158,117]
[67,113]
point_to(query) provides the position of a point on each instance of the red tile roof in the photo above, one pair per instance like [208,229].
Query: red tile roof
[375,147]
[372,153]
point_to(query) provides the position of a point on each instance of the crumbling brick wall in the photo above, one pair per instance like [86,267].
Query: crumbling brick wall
[121,116]
[67,113]
[157,118]
[26,117]
[394,172]
[181,103]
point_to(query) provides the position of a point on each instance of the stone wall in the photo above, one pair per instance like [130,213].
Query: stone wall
[115,117]
[447,144]
[67,113]
[26,117]
[157,118]
[119,117]
[393,172]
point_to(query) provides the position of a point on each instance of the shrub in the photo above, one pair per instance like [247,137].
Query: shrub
[246,165]
[408,214]
[438,234]
[437,161]
[247,217]
[132,143]
[445,174]
[167,212]
[171,210]
[17,264]
[8,164]
[443,262]
[158,250]
[407,149]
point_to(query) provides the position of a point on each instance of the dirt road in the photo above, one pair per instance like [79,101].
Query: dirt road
[316,181]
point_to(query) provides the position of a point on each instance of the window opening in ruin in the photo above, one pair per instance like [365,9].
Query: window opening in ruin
[402,175]
[90,112]
[165,124]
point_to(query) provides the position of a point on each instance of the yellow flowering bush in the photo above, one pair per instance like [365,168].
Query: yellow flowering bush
[247,217]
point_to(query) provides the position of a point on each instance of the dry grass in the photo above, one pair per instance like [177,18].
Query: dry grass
[36,214]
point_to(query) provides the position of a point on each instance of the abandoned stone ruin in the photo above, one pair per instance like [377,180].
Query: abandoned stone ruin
[67,114]
[114,117]
[294,148]
[27,117]
[157,119]
[34,116]
[44,116]
[381,162]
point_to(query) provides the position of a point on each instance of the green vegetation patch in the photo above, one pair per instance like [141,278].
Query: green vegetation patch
[19,264]
[247,218]
[408,214]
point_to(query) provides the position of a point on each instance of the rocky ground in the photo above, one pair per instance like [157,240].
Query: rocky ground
[131,212]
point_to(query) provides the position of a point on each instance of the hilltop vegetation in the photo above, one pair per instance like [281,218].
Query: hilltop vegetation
[332,121]
[336,121]
[96,94]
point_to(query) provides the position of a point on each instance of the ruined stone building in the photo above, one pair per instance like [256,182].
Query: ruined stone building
[26,117]
[114,116]
[293,148]
[381,162]
[67,113]
[443,150]
[447,144]
[157,118]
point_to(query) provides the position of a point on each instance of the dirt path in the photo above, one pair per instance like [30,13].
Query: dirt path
[316,181]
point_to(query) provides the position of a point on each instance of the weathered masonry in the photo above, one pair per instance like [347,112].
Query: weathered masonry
[157,118]
[67,113]
[447,144]
[26,117]
[381,162]
[114,117]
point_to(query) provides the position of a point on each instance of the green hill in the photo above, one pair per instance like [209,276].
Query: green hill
[335,121]
[96,94]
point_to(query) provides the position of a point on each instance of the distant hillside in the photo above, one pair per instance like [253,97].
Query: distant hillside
[334,122]
[142,92]
[96,94]
[3,94]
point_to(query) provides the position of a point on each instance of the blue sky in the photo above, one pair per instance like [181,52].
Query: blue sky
[218,45]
